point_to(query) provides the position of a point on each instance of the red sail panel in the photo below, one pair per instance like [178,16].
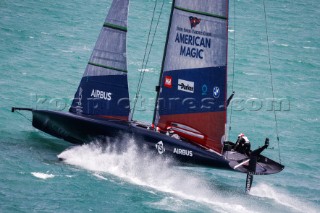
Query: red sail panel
[213,132]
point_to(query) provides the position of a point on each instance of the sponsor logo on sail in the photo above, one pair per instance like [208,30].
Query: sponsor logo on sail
[160,147]
[101,94]
[79,103]
[168,82]
[186,86]
[216,92]
[193,42]
[195,45]
[194,21]
[204,89]
[182,152]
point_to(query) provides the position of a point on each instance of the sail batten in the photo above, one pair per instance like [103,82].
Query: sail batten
[114,26]
[107,67]
[193,83]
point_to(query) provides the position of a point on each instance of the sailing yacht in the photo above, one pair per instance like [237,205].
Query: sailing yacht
[190,113]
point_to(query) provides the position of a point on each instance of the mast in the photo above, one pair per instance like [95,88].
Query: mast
[226,87]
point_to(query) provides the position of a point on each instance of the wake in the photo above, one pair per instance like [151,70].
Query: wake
[265,191]
[135,165]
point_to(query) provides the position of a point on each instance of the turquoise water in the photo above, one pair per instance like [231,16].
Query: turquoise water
[44,48]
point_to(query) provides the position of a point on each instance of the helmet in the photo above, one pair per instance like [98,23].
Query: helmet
[169,129]
[240,135]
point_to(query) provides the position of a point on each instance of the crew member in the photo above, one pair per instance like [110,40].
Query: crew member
[171,133]
[242,145]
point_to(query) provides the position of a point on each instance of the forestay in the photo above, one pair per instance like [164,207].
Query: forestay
[192,96]
[103,90]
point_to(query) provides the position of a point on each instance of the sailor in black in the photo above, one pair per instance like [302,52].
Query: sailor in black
[242,145]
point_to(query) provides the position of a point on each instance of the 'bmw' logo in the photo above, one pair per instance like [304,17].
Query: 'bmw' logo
[216,92]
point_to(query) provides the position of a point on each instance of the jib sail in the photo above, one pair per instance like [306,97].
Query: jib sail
[103,90]
[192,95]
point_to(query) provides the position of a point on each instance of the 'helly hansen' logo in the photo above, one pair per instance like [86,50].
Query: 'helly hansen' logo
[168,82]
[194,21]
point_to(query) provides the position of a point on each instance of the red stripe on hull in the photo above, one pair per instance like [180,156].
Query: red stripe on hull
[123,118]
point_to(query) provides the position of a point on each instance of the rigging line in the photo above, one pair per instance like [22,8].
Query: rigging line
[143,61]
[147,60]
[271,76]
[24,116]
[154,34]
[151,45]
[234,58]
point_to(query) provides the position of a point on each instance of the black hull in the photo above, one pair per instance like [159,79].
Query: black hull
[80,129]
[84,129]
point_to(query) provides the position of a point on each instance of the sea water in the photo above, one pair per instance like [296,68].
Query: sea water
[44,48]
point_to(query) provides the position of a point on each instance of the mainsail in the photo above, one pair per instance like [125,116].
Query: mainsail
[193,88]
[103,90]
